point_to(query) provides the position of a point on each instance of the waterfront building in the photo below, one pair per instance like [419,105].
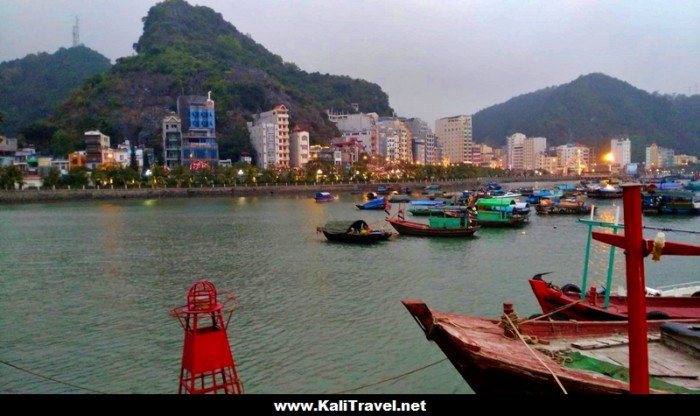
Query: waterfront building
[298,147]
[659,157]
[172,140]
[455,136]
[514,151]
[8,147]
[622,151]
[269,135]
[198,123]
[423,147]
[96,143]
[360,126]
[532,147]
[573,158]
[684,160]
[395,141]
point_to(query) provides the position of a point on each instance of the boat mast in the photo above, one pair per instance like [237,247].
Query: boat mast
[634,265]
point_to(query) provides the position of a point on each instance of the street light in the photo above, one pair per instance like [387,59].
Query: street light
[318,175]
[240,175]
[610,158]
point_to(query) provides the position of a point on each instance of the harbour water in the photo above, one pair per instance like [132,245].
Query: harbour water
[86,288]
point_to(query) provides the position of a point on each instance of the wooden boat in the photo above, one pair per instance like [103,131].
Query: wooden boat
[378,203]
[600,303]
[499,212]
[514,356]
[563,207]
[353,231]
[671,202]
[325,197]
[606,192]
[436,227]
[511,355]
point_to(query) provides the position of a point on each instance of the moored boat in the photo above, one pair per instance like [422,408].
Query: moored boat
[499,212]
[436,226]
[378,203]
[353,231]
[325,197]
[514,355]
[511,355]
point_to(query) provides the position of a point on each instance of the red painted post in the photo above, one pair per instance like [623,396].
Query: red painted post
[634,264]
[207,361]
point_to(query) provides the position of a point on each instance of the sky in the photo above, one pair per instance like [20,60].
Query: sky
[434,59]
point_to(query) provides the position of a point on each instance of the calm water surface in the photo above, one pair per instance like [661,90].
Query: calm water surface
[86,288]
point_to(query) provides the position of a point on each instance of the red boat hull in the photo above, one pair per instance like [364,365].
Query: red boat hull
[570,306]
[492,362]
[424,230]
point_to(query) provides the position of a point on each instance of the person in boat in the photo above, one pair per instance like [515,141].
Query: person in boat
[364,230]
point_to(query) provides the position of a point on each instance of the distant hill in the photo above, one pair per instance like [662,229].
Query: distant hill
[591,110]
[191,50]
[32,87]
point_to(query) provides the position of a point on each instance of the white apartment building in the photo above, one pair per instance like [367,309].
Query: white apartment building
[455,137]
[532,147]
[269,135]
[362,127]
[659,157]
[298,147]
[622,151]
[395,140]
[514,151]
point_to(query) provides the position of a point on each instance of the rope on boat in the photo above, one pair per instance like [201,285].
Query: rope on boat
[515,329]
[671,229]
[547,315]
[390,378]
[50,378]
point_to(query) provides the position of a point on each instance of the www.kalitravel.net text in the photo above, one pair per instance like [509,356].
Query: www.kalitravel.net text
[350,406]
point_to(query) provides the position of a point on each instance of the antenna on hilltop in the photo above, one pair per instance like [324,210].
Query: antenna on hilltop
[76,33]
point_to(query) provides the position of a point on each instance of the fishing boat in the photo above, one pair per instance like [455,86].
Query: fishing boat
[499,212]
[325,197]
[378,203]
[436,226]
[353,231]
[601,302]
[670,202]
[608,191]
[514,355]
[565,206]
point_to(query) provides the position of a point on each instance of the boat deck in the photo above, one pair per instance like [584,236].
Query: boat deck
[665,362]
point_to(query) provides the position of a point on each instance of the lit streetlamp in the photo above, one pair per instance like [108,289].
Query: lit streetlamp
[240,175]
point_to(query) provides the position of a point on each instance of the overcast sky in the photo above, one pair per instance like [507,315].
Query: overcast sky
[434,58]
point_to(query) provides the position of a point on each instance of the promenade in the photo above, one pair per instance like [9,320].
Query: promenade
[112,193]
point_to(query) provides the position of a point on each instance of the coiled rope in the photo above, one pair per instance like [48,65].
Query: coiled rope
[52,379]
[515,329]
[390,378]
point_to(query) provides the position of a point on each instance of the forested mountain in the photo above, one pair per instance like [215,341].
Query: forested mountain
[31,87]
[191,50]
[591,110]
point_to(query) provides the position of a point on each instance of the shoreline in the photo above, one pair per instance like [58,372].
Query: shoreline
[91,194]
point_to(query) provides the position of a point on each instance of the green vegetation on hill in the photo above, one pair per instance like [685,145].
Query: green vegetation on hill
[591,110]
[31,87]
[191,50]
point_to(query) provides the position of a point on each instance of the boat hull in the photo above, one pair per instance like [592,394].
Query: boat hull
[369,238]
[568,305]
[494,360]
[424,230]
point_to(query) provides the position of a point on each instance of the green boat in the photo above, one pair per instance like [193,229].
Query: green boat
[498,212]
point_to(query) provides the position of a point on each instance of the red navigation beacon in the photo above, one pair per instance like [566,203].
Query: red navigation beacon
[207,361]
